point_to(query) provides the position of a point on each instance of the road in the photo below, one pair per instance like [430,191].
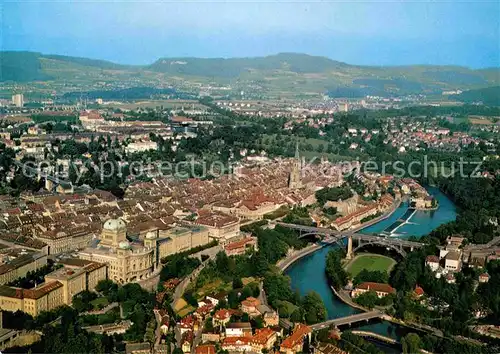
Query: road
[210,252]
[197,338]
[158,329]
[179,290]
[365,316]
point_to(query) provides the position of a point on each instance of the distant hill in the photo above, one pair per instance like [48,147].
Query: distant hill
[489,96]
[21,67]
[102,64]
[234,67]
[292,73]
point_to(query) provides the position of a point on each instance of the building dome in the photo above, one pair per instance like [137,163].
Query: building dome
[114,225]
[124,245]
[150,235]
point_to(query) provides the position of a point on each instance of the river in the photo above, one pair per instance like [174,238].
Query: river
[308,273]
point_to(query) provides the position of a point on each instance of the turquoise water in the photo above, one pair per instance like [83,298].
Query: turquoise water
[422,222]
[308,274]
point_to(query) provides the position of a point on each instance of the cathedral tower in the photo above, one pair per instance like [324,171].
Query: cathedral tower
[294,181]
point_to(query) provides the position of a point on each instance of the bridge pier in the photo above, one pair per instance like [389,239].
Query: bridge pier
[350,253]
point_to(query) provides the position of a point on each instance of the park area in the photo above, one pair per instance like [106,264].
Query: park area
[371,262]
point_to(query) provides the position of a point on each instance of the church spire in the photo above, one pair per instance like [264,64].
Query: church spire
[294,181]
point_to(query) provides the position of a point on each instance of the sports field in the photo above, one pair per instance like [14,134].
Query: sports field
[371,262]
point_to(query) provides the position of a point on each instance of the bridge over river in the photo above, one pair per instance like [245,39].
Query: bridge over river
[347,320]
[334,236]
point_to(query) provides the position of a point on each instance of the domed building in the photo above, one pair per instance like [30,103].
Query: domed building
[113,232]
[137,259]
[127,261]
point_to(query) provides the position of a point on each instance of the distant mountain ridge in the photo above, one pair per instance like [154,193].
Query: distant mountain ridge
[287,71]
[232,67]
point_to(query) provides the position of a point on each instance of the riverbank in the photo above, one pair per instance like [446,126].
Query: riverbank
[286,262]
[422,222]
[308,274]
[292,258]
[427,209]
[345,297]
[386,215]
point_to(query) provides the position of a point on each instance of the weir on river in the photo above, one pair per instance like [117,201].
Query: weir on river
[400,222]
[307,274]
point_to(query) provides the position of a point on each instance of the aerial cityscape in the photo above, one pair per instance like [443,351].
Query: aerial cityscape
[250,177]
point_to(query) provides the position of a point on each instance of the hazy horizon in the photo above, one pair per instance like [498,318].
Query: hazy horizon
[361,33]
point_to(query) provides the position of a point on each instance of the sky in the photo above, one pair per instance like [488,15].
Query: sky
[357,32]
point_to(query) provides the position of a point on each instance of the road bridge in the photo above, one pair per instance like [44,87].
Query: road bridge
[347,320]
[310,230]
[397,244]
[334,236]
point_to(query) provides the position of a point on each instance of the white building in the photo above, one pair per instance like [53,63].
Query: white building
[432,262]
[452,261]
[18,100]
[238,329]
[141,146]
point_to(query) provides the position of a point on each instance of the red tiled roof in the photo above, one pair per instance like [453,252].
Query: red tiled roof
[378,287]
[251,301]
[419,291]
[205,349]
[432,259]
[222,314]
[296,337]
[42,290]
[239,244]
[262,335]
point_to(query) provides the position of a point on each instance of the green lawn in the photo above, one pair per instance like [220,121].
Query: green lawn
[102,301]
[370,262]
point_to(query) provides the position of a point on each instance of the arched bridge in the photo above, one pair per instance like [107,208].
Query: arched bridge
[362,240]
[396,244]
[310,230]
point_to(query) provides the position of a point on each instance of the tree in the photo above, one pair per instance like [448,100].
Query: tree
[237,283]
[334,269]
[190,298]
[368,299]
[314,308]
[82,301]
[411,343]
[233,299]
[375,276]
[333,194]
[297,315]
